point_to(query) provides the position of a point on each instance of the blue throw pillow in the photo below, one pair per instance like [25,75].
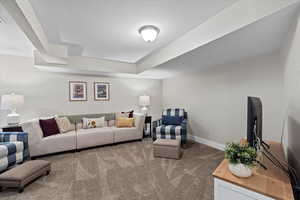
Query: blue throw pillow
[172,120]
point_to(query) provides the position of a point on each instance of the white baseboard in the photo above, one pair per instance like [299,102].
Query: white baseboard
[207,142]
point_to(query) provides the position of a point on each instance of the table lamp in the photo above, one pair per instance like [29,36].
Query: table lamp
[144,102]
[11,102]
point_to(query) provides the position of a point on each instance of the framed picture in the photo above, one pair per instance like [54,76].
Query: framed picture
[101,91]
[77,91]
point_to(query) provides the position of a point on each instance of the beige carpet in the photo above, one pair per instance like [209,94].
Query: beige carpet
[125,171]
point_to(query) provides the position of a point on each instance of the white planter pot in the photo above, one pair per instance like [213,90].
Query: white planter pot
[240,170]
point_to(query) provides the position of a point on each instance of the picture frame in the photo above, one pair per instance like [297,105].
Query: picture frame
[77,91]
[101,91]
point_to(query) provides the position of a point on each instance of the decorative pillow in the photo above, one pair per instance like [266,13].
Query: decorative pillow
[124,122]
[173,116]
[64,124]
[128,114]
[49,127]
[111,123]
[93,122]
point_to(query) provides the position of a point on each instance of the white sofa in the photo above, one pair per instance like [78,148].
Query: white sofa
[39,145]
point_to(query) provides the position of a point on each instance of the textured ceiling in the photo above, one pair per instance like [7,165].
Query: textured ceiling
[109,28]
[12,40]
[261,38]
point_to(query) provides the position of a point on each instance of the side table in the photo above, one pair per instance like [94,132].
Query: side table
[148,126]
[12,128]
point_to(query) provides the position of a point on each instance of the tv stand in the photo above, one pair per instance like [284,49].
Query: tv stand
[268,184]
[267,146]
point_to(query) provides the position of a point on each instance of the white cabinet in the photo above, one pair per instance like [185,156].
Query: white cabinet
[227,191]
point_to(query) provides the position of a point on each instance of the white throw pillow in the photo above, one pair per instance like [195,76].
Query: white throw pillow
[64,124]
[93,122]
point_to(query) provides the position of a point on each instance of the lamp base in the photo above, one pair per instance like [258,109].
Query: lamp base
[144,110]
[13,119]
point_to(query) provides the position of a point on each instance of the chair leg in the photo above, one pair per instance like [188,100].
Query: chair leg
[1,188]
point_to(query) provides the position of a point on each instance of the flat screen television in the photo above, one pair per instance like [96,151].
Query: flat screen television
[254,121]
[254,136]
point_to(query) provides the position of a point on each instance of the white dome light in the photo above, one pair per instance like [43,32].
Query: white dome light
[149,33]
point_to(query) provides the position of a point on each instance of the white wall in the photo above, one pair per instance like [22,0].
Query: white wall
[291,62]
[216,98]
[48,93]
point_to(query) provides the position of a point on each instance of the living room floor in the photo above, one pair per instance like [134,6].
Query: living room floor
[126,171]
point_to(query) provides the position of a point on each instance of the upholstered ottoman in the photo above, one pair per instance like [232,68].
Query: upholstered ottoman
[167,148]
[23,174]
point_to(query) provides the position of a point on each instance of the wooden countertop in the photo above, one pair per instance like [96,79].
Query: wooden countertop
[272,182]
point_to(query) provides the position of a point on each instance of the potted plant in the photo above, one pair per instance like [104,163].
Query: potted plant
[241,158]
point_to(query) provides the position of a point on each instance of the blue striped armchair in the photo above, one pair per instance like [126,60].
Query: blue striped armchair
[172,125]
[13,149]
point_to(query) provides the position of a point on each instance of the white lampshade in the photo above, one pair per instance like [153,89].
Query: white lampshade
[11,101]
[144,100]
[149,33]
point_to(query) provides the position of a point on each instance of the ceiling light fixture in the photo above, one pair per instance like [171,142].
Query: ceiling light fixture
[149,33]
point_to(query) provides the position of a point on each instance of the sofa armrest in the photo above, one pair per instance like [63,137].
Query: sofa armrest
[139,122]
[155,124]
[183,132]
[184,124]
[35,133]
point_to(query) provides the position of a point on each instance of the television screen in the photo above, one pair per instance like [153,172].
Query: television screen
[254,121]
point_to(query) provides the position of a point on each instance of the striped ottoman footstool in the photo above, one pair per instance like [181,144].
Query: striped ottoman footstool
[167,148]
[21,175]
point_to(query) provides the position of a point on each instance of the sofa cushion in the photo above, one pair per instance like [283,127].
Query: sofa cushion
[166,136]
[49,127]
[127,134]
[169,129]
[75,119]
[94,137]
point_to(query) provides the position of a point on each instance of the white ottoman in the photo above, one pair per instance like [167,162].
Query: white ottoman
[167,148]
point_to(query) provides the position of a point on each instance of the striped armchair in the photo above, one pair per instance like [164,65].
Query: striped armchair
[172,125]
[13,149]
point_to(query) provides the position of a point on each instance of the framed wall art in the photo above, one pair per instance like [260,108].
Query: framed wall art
[77,91]
[101,91]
